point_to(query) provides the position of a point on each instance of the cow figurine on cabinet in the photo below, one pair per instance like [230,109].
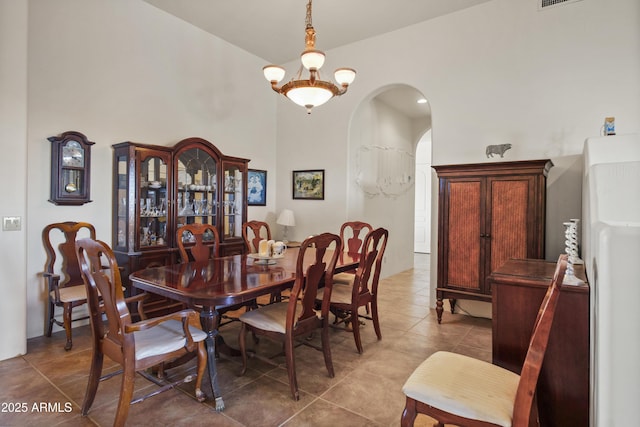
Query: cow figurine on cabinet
[497,149]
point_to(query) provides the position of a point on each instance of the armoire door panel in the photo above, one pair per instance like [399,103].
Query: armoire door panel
[463,256]
[509,214]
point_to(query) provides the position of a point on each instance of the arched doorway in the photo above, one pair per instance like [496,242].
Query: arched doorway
[384,133]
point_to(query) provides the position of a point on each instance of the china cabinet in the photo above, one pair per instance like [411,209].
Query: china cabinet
[487,214]
[158,189]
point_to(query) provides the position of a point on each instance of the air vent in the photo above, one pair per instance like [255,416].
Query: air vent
[545,4]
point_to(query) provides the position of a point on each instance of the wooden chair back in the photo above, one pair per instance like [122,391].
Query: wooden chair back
[69,267]
[198,242]
[308,280]
[537,347]
[350,235]
[253,232]
[105,295]
[367,274]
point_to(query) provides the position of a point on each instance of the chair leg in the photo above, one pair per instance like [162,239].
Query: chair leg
[202,366]
[355,327]
[409,414]
[243,347]
[326,349]
[126,393]
[92,384]
[52,307]
[291,368]
[374,316]
[67,325]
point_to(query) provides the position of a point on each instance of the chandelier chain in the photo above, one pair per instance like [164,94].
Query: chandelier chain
[308,22]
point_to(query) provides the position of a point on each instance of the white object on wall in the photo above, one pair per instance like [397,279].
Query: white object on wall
[386,171]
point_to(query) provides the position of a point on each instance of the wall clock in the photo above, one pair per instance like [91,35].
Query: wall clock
[70,169]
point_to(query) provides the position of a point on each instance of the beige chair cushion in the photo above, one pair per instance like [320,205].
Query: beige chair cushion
[71,293]
[344,278]
[270,317]
[164,338]
[465,386]
[341,293]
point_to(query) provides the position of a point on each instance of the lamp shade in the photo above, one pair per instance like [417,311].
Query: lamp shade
[345,76]
[312,59]
[286,218]
[273,73]
[310,96]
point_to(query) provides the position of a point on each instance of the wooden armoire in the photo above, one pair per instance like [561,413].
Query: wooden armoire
[487,214]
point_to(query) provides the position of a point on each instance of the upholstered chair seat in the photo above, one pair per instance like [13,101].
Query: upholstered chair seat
[165,338]
[465,387]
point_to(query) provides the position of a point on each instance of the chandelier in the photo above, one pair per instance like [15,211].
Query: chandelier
[313,91]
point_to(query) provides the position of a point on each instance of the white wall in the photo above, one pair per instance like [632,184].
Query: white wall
[125,70]
[499,72]
[13,162]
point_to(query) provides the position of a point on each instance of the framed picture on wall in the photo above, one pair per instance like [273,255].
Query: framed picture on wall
[257,187]
[308,184]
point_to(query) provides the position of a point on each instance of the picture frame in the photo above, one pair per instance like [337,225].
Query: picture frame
[256,187]
[308,184]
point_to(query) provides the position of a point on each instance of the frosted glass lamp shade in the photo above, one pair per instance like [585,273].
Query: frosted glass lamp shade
[345,76]
[273,73]
[309,96]
[312,59]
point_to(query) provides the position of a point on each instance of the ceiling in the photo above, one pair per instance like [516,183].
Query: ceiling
[274,30]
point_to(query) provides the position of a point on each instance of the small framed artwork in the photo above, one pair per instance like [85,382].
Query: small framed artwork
[257,187]
[308,184]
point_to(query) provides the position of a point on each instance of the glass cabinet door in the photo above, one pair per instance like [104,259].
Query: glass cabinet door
[232,201]
[153,204]
[197,188]
[121,199]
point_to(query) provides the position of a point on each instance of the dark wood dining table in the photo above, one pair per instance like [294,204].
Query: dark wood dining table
[221,282]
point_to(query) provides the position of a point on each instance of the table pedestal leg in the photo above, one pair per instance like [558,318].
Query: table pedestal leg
[209,320]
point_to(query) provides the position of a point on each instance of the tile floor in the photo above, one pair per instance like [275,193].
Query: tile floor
[49,383]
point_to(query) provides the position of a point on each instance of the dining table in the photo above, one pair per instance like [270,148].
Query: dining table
[218,283]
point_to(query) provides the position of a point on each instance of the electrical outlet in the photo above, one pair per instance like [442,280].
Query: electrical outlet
[11,223]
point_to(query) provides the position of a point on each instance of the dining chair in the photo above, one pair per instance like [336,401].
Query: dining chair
[63,278]
[297,318]
[352,242]
[135,346]
[460,390]
[253,232]
[198,242]
[201,242]
[347,298]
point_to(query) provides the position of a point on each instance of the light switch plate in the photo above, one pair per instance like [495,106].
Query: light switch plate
[11,223]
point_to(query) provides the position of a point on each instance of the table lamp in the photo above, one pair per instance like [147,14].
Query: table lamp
[286,219]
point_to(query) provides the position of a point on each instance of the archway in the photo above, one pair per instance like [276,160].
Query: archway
[383,137]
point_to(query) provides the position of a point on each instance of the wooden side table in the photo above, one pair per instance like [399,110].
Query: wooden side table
[518,287]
